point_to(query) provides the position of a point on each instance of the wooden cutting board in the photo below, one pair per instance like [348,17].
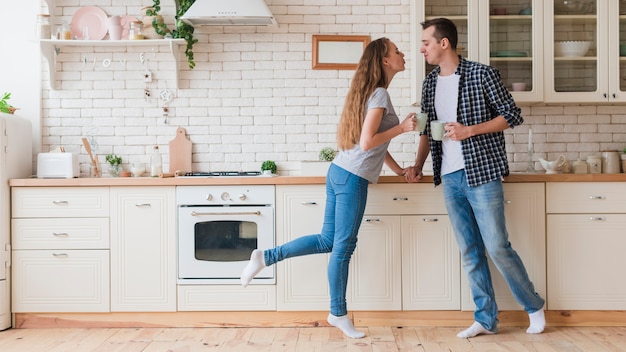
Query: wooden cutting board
[180,152]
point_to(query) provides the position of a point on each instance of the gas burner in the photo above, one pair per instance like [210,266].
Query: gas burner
[222,173]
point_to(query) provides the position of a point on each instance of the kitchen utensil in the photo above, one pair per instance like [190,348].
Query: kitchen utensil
[91,17]
[180,151]
[571,48]
[552,166]
[94,161]
[610,162]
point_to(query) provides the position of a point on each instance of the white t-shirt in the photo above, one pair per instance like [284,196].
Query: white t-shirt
[446,103]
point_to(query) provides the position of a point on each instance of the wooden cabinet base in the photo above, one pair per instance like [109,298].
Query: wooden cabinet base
[303,319]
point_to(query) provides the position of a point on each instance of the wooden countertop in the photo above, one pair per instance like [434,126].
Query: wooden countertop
[282,180]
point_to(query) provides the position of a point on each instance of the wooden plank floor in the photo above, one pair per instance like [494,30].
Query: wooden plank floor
[323,339]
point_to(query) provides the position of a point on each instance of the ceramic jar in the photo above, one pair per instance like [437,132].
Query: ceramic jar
[595,164]
[580,167]
[610,162]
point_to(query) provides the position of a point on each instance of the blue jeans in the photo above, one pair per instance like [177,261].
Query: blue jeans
[346,196]
[477,217]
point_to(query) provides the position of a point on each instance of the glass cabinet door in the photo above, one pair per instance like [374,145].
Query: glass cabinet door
[515,45]
[577,61]
[617,51]
[464,13]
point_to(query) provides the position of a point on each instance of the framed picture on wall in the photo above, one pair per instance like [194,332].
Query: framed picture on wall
[338,52]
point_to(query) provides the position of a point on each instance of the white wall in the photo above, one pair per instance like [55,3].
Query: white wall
[253,95]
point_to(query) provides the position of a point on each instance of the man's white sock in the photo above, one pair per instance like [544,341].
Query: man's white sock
[345,324]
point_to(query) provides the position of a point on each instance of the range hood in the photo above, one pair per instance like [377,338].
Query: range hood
[229,13]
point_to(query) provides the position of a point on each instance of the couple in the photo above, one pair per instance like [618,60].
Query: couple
[469,164]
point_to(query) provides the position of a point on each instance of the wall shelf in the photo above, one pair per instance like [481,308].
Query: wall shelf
[51,47]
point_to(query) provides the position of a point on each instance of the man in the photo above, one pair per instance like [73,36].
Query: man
[469,164]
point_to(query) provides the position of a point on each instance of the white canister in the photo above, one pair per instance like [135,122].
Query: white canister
[580,167]
[595,164]
[610,162]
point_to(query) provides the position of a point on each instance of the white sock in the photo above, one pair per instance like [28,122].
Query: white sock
[537,322]
[345,324]
[256,264]
[474,330]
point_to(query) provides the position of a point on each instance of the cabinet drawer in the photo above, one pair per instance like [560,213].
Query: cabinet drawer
[72,233]
[403,199]
[586,197]
[46,202]
[60,281]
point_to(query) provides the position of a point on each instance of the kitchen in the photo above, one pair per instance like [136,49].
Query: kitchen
[252,95]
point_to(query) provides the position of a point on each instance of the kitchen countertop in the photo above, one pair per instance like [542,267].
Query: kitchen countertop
[283,180]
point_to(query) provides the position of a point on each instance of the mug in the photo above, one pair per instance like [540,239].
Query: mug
[437,129]
[422,118]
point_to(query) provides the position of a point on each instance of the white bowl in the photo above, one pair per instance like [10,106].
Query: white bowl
[571,48]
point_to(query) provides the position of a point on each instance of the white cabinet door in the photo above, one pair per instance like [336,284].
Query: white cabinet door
[586,261]
[525,219]
[430,264]
[60,281]
[376,266]
[143,249]
[302,282]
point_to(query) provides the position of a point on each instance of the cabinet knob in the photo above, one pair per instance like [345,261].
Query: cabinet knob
[60,202]
[400,198]
[597,218]
[372,220]
[309,203]
[142,205]
[60,234]
[597,197]
[430,219]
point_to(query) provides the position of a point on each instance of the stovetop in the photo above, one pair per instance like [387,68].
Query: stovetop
[221,173]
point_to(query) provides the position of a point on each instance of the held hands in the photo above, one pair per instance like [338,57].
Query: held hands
[413,174]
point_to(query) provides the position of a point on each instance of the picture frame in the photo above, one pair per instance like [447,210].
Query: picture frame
[338,52]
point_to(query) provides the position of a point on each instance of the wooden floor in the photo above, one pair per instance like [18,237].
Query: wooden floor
[323,339]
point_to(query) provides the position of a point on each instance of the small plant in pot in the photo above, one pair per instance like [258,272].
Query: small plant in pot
[4,104]
[115,164]
[327,154]
[268,167]
[182,30]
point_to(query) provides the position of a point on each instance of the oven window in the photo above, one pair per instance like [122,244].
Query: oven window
[225,241]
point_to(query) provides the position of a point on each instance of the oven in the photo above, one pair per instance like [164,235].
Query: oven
[219,227]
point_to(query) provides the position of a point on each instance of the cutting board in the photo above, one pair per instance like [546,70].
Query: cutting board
[180,152]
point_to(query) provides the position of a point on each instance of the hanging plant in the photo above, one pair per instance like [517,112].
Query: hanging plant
[183,30]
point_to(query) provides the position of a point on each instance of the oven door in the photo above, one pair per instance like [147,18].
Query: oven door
[215,242]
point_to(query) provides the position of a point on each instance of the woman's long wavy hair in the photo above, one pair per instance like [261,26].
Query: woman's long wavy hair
[369,75]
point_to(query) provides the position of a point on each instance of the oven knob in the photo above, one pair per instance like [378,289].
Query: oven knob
[225,196]
[209,196]
[242,197]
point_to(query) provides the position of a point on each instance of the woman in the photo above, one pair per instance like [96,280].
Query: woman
[368,123]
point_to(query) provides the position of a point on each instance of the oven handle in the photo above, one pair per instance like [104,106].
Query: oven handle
[193,213]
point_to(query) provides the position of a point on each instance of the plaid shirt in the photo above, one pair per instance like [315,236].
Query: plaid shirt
[482,97]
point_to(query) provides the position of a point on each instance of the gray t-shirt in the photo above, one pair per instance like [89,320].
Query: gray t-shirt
[368,164]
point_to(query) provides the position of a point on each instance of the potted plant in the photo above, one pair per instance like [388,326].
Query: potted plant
[4,104]
[182,30]
[320,166]
[268,167]
[115,164]
[327,154]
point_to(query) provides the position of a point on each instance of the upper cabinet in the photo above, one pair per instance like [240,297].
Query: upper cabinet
[506,34]
[583,60]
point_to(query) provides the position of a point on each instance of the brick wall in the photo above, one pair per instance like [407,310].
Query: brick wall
[253,95]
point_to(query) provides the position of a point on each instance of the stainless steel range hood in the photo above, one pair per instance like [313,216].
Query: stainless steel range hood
[229,13]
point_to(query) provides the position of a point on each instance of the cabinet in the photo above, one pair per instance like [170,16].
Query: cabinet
[51,48]
[429,264]
[598,75]
[60,250]
[525,220]
[511,41]
[391,238]
[143,249]
[585,247]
